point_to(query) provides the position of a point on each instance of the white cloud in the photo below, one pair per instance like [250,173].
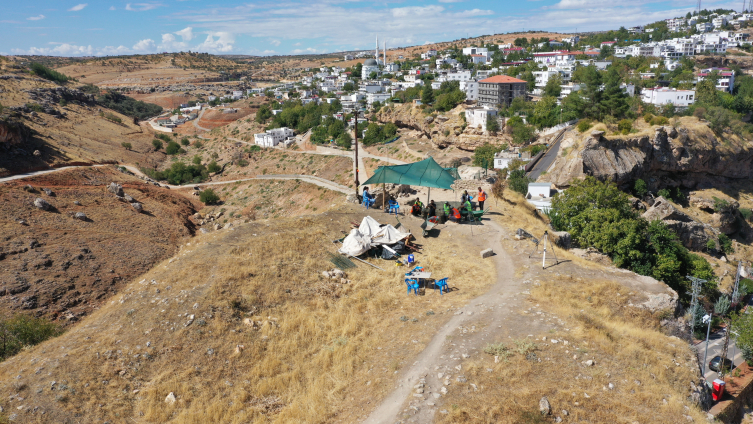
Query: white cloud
[450,1]
[186,34]
[78,7]
[308,50]
[64,49]
[275,42]
[145,46]
[140,7]
[112,7]
[35,18]
[223,43]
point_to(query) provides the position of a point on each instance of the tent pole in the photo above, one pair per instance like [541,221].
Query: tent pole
[384,194]
[428,196]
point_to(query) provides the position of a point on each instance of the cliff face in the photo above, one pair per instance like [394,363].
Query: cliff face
[682,156]
[12,133]
[443,130]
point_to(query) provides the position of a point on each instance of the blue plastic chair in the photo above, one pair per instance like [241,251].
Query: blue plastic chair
[368,201]
[394,207]
[412,285]
[441,284]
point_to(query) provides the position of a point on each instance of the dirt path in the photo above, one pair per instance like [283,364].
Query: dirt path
[443,355]
[198,118]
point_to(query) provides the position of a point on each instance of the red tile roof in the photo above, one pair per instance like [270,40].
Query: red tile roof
[500,79]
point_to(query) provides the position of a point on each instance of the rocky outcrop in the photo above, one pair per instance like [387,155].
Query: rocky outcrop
[12,133]
[724,210]
[684,156]
[692,233]
[443,130]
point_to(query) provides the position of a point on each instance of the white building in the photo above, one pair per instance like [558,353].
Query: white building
[273,137]
[675,24]
[471,90]
[456,76]
[467,51]
[704,27]
[725,81]
[377,97]
[663,96]
[636,29]
[348,57]
[719,21]
[369,66]
[476,117]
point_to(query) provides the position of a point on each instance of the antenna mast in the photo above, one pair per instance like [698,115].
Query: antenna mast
[699,7]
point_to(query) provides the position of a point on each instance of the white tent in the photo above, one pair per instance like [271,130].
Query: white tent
[368,234]
[355,244]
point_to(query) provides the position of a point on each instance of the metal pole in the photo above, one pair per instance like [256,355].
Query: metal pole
[546,238]
[356,150]
[708,331]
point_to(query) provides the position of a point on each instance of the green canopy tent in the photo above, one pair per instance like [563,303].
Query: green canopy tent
[426,173]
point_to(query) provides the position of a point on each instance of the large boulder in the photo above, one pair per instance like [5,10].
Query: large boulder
[137,206]
[115,189]
[692,233]
[42,204]
[724,209]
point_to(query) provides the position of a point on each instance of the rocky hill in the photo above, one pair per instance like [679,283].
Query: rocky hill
[687,155]
[68,243]
[442,129]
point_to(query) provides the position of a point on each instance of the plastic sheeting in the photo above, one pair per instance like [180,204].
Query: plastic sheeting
[426,173]
[369,234]
[355,244]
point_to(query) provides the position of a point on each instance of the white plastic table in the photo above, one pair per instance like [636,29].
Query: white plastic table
[420,276]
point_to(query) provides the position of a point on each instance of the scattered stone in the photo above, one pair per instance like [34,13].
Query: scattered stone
[42,204]
[461,379]
[77,203]
[137,206]
[29,188]
[564,412]
[589,363]
[128,198]
[115,189]
[544,407]
[190,320]
[48,192]
[37,153]
[80,216]
[487,253]
[443,390]
[170,398]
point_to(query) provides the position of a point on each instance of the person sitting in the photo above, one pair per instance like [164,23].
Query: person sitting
[393,206]
[368,199]
[455,215]
[417,208]
[465,197]
[447,212]
[468,210]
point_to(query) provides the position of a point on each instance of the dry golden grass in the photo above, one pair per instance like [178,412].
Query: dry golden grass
[629,351]
[310,362]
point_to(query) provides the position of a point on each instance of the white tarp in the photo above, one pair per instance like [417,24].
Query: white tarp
[355,244]
[369,227]
[368,234]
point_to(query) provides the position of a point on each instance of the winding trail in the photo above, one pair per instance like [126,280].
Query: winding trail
[491,312]
[198,118]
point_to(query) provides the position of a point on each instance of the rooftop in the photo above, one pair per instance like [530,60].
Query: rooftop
[500,79]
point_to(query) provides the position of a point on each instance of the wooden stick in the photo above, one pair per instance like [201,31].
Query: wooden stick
[366,262]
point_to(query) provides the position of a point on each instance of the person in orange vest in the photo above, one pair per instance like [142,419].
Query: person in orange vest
[481,198]
[455,217]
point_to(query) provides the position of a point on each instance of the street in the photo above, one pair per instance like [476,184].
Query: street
[547,160]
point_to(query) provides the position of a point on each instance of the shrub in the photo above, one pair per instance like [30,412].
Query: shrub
[584,125]
[700,112]
[484,155]
[746,213]
[179,173]
[20,331]
[184,141]
[720,204]
[659,120]
[665,193]
[125,105]
[213,167]
[640,188]
[711,245]
[172,148]
[725,244]
[625,126]
[198,144]
[648,117]
[196,160]
[209,197]
[518,181]
[126,145]
[242,162]
[36,107]
[157,144]
[112,118]
[47,73]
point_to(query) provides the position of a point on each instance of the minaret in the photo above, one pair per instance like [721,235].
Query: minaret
[376,54]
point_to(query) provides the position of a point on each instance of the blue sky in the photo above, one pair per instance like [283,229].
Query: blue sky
[74,28]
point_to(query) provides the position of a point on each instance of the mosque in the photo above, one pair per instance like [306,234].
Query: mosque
[372,65]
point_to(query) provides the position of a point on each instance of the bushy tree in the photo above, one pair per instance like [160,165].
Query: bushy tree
[640,188]
[427,95]
[209,197]
[553,87]
[126,145]
[157,144]
[344,140]
[172,148]
[21,331]
[614,102]
[484,155]
[492,125]
[213,167]
[518,181]
[389,130]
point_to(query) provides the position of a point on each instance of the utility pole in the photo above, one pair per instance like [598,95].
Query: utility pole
[355,132]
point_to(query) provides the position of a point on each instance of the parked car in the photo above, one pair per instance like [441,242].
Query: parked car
[716,362]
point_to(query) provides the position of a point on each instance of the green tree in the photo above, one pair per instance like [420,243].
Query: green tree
[21,331]
[157,144]
[591,92]
[213,167]
[209,197]
[719,118]
[373,134]
[344,140]
[518,181]
[614,101]
[185,141]
[172,148]
[705,93]
[263,114]
[427,95]
[484,155]
[640,188]
[126,145]
[743,325]
[545,113]
[553,86]
[389,130]
[492,125]
[522,134]
[319,135]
